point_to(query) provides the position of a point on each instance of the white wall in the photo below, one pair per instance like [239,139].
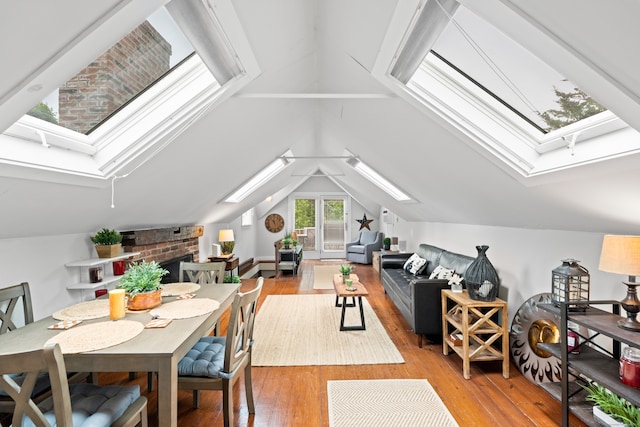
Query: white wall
[524,258]
[40,261]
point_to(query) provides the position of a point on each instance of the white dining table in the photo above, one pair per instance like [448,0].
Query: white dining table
[153,350]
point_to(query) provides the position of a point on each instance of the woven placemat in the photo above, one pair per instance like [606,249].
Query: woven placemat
[96,336]
[180,288]
[84,310]
[183,309]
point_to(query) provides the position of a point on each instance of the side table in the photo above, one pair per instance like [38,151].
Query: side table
[482,338]
[233,263]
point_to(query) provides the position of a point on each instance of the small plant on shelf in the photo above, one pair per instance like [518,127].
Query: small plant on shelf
[386,243]
[612,405]
[108,243]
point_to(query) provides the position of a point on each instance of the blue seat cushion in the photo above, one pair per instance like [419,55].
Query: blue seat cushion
[356,249]
[92,405]
[42,385]
[205,359]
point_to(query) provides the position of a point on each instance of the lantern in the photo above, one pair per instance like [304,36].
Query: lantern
[570,283]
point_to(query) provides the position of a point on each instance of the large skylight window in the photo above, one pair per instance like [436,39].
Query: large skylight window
[529,87]
[128,68]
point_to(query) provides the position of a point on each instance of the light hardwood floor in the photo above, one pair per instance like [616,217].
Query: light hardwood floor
[297,396]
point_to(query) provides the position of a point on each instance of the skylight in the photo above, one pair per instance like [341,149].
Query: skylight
[271,170]
[128,68]
[377,179]
[529,87]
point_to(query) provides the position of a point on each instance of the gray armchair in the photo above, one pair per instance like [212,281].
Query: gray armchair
[361,251]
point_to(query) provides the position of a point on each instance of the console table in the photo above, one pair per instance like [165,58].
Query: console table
[288,259]
[482,337]
[233,263]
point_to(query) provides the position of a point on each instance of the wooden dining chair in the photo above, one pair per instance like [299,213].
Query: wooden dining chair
[202,272]
[10,299]
[215,363]
[68,405]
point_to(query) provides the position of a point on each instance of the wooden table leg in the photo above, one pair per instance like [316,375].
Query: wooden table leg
[168,392]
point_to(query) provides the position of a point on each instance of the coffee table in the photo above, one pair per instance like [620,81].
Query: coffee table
[342,292]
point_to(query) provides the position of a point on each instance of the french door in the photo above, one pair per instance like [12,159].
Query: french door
[321,226]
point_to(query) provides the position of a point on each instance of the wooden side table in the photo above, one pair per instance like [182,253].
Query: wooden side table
[232,263]
[342,292]
[482,338]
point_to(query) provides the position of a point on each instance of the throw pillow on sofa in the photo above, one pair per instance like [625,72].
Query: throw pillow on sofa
[441,272]
[415,264]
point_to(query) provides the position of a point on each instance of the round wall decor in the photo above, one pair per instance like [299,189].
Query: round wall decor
[274,222]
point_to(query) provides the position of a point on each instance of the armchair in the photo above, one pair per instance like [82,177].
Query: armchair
[361,251]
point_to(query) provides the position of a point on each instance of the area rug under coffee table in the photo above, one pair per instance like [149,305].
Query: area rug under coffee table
[323,276]
[299,330]
[392,403]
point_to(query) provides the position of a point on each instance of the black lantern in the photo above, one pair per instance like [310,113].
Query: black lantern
[570,283]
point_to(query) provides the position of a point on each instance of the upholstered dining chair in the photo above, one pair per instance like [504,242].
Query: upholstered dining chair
[86,404]
[202,272]
[215,363]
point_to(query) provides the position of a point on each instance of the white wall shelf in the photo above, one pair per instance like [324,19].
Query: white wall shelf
[83,265]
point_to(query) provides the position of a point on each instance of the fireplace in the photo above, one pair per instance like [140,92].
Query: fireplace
[173,266]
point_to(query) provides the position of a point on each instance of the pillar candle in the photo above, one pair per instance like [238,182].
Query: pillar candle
[116,304]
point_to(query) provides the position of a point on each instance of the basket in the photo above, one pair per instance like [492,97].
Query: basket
[486,291]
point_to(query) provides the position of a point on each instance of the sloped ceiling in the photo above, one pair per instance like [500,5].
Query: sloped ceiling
[318,47]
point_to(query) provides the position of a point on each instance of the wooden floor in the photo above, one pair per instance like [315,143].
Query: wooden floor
[297,396]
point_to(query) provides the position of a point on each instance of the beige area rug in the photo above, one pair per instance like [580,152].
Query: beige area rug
[302,330]
[392,403]
[323,276]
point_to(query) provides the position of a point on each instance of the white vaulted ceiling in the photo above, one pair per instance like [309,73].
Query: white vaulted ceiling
[313,91]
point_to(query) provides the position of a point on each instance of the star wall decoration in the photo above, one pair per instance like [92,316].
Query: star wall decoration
[364,222]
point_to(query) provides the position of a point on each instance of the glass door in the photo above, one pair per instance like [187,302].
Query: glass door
[306,220]
[334,229]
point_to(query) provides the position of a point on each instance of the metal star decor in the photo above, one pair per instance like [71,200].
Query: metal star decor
[364,222]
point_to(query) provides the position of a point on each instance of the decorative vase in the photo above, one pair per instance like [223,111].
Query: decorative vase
[145,300]
[108,251]
[345,277]
[481,278]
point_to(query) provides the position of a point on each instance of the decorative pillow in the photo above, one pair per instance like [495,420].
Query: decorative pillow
[415,264]
[441,272]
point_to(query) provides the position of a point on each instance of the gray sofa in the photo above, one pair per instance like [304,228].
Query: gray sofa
[416,296]
[361,251]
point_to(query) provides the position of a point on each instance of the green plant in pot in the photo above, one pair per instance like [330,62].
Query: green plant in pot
[617,408]
[108,243]
[231,279]
[142,284]
[346,270]
[287,241]
[386,243]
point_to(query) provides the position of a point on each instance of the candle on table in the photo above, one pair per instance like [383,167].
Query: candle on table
[116,304]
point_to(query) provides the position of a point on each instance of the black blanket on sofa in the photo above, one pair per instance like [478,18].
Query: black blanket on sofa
[417,297]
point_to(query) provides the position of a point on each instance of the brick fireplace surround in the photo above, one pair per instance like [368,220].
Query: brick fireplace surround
[164,245]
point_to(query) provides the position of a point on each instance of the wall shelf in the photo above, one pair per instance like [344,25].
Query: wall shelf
[84,265]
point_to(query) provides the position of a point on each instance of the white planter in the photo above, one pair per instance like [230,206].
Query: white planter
[605,419]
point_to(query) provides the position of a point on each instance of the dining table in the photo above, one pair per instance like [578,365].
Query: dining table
[152,350]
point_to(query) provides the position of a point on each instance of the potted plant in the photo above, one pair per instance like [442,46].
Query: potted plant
[231,279]
[141,282]
[108,243]
[386,243]
[611,410]
[346,270]
[287,241]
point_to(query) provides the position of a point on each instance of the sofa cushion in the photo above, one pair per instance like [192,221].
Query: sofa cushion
[441,272]
[415,264]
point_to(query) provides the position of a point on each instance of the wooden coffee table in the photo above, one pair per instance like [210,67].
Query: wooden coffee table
[342,292]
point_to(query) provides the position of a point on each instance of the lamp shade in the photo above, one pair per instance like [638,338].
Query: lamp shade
[621,255]
[225,236]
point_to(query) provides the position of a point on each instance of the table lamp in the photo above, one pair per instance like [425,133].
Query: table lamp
[226,239]
[621,255]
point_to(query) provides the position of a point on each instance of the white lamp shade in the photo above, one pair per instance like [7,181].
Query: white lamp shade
[226,236]
[621,254]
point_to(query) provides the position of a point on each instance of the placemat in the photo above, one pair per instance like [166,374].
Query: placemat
[84,310]
[183,309]
[179,288]
[96,336]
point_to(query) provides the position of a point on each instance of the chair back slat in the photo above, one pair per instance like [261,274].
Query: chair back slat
[202,272]
[240,330]
[9,299]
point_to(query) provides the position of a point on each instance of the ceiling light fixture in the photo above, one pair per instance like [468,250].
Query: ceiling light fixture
[261,177]
[377,179]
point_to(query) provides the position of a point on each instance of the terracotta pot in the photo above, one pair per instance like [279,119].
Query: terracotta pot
[108,251]
[145,300]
